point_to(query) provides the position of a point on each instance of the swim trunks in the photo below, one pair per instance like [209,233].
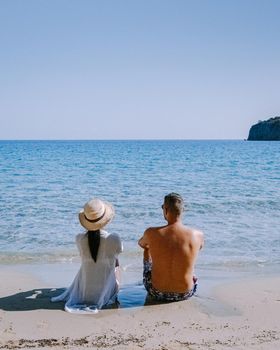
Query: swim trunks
[163,296]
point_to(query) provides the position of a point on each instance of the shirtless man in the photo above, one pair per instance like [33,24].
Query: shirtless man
[170,253]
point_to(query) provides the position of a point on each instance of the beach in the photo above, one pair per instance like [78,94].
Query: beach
[240,314]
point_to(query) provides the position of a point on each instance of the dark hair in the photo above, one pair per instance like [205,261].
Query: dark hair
[94,242]
[174,203]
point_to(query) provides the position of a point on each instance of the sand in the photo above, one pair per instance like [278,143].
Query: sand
[243,314]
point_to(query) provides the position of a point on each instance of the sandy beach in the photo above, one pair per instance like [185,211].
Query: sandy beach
[238,315]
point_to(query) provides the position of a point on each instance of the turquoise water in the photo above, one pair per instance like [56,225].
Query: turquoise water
[231,187]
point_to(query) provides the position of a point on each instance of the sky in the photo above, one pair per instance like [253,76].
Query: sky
[137,69]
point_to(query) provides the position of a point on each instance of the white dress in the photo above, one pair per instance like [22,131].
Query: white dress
[95,284]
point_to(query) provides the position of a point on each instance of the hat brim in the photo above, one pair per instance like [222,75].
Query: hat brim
[93,226]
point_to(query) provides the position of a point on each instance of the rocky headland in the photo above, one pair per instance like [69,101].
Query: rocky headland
[267,130]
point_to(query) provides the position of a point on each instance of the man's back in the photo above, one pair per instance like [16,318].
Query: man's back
[170,253]
[173,249]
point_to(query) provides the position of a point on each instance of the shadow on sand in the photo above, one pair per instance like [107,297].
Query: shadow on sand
[36,299]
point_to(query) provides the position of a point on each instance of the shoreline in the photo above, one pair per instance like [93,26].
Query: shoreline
[229,313]
[132,292]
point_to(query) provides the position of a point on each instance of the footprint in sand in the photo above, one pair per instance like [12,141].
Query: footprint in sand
[43,325]
[10,329]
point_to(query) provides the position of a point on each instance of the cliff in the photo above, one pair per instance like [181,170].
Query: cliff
[268,130]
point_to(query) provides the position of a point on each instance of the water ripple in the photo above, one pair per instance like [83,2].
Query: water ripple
[232,189]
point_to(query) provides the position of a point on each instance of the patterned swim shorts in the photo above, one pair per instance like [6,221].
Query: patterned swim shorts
[163,296]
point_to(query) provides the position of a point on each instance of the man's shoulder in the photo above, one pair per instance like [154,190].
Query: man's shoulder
[198,233]
[196,236]
[153,229]
[193,230]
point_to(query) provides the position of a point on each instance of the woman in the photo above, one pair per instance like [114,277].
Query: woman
[95,284]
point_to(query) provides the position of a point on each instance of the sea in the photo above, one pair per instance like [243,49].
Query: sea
[231,189]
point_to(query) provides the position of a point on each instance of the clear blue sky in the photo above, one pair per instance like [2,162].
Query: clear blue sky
[86,69]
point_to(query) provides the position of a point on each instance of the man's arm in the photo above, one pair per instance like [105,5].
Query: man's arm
[144,244]
[143,241]
[201,239]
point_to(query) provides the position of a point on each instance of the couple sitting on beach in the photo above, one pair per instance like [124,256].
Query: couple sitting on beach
[170,252]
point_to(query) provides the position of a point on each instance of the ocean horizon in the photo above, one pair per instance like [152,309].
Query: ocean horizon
[126,139]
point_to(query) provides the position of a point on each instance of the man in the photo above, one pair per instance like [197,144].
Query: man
[170,253]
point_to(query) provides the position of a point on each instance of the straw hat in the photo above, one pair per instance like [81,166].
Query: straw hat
[96,214]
